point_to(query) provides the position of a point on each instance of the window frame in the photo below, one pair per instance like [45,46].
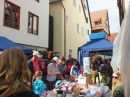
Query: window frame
[37,24]
[18,19]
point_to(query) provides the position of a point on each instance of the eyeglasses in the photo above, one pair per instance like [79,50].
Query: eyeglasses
[115,77]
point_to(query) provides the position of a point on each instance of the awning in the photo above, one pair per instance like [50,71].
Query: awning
[6,43]
[96,45]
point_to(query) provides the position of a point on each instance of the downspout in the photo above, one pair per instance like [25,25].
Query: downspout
[64,29]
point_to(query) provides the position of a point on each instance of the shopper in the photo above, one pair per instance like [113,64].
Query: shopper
[33,63]
[43,68]
[117,86]
[69,58]
[37,83]
[61,67]
[52,72]
[75,69]
[68,67]
[14,74]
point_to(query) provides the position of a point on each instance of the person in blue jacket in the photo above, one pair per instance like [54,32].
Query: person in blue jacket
[37,83]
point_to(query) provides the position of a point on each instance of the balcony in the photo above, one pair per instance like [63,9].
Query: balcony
[54,1]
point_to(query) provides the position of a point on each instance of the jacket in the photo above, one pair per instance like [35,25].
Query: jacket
[38,86]
[119,91]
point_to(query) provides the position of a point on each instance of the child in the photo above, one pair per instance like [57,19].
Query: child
[37,83]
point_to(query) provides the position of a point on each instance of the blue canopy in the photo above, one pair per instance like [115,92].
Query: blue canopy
[6,43]
[96,45]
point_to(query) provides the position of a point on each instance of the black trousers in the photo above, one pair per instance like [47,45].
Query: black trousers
[50,85]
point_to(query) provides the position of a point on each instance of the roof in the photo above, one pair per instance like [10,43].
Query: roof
[101,14]
[112,37]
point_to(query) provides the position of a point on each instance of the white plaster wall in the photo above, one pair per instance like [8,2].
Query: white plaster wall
[87,15]
[22,36]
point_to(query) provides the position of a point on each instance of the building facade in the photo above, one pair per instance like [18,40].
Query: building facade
[71,25]
[100,22]
[25,23]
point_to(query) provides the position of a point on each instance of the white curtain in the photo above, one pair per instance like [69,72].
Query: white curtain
[121,56]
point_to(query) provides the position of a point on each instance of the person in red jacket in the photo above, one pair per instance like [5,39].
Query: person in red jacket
[68,66]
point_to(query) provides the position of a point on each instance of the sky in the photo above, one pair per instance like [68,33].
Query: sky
[113,12]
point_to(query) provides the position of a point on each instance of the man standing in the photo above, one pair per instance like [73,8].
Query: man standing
[69,59]
[33,63]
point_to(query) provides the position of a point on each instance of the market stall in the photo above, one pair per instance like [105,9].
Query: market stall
[78,88]
[94,45]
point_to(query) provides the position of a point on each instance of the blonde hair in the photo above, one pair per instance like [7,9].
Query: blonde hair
[14,72]
[118,73]
[37,73]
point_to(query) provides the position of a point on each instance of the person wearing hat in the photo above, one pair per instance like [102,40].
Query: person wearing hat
[33,63]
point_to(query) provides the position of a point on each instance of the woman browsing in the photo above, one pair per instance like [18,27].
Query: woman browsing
[75,70]
[52,72]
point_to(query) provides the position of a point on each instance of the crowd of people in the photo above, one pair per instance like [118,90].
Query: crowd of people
[22,78]
[58,69]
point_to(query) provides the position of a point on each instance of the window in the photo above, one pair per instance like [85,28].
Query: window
[70,52]
[77,27]
[74,2]
[33,21]
[11,15]
[67,18]
[37,0]
[79,8]
[88,32]
[97,21]
[85,7]
[106,27]
[82,31]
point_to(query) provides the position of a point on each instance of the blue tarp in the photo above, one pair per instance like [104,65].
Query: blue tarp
[96,45]
[6,43]
[99,35]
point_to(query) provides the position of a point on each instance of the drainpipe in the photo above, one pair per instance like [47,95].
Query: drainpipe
[64,28]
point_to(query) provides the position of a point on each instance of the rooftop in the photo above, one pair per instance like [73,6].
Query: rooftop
[112,36]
